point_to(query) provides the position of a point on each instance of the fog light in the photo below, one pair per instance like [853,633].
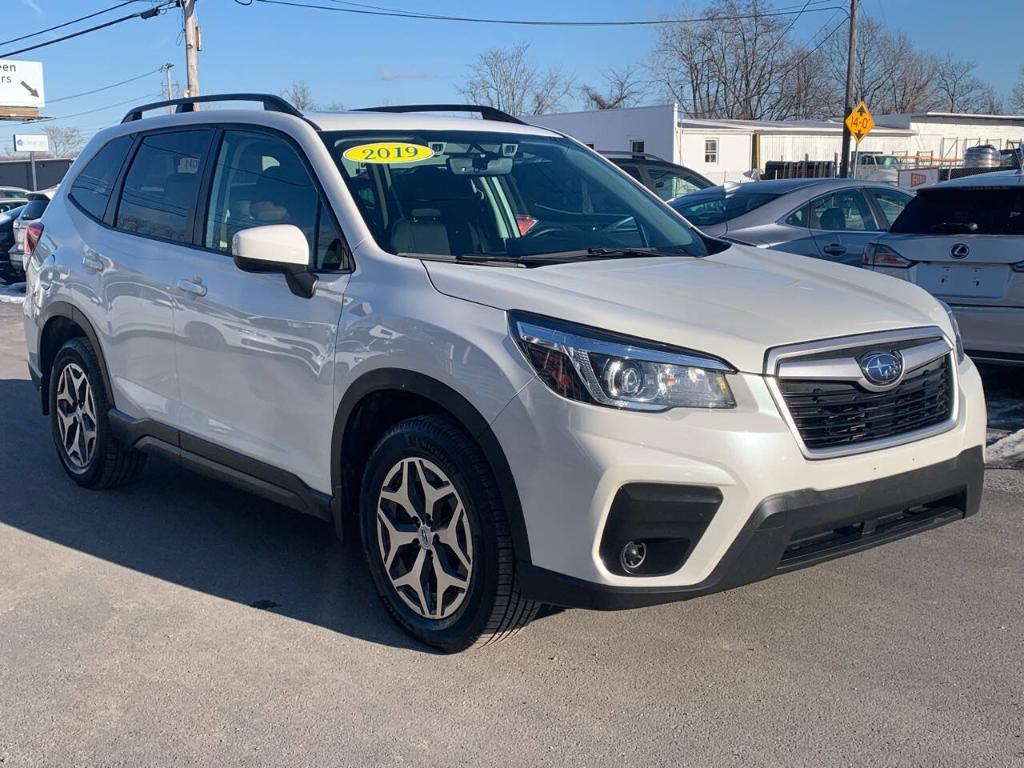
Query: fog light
[633,555]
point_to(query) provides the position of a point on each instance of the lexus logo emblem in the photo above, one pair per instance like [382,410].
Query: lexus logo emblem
[959,251]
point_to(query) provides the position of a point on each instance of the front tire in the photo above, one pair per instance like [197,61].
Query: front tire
[437,540]
[87,450]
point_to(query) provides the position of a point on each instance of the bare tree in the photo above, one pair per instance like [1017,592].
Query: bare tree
[890,74]
[746,69]
[956,89]
[64,142]
[505,79]
[623,88]
[300,95]
[1017,94]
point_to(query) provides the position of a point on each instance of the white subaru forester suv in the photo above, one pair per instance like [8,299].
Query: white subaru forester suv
[516,373]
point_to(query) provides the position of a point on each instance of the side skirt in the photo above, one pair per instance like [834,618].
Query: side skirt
[206,458]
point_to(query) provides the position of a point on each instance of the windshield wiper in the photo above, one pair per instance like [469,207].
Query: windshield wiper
[478,259]
[618,253]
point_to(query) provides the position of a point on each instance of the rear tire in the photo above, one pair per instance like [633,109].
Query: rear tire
[431,514]
[88,451]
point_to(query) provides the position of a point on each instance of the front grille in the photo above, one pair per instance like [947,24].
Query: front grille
[830,414]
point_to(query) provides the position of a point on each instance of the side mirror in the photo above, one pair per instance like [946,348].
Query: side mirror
[276,248]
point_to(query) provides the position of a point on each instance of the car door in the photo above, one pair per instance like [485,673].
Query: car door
[254,358]
[133,264]
[842,223]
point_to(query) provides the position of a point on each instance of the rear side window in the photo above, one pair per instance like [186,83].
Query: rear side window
[92,187]
[718,208]
[33,209]
[160,188]
[964,210]
[669,184]
[891,202]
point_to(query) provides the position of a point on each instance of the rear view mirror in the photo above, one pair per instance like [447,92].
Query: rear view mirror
[276,248]
[480,166]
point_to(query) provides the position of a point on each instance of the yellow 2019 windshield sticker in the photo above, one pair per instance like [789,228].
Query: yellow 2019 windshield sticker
[388,152]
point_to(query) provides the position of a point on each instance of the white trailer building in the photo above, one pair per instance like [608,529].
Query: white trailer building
[726,150]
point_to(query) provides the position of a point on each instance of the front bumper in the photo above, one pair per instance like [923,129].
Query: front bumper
[570,461]
[796,530]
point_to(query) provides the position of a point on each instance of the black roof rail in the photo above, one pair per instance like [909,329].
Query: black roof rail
[487,113]
[270,103]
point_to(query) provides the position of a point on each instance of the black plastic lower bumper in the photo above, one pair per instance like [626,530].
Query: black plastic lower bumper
[796,530]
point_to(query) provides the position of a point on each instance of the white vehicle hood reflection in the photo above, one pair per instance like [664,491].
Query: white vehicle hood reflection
[735,305]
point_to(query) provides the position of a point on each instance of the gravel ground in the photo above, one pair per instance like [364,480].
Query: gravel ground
[180,622]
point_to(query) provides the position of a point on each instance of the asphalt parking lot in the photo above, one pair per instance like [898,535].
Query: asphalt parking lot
[180,622]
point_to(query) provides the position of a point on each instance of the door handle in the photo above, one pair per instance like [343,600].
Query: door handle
[93,261]
[193,287]
[834,249]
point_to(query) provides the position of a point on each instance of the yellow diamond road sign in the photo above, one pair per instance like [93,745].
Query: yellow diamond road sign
[860,122]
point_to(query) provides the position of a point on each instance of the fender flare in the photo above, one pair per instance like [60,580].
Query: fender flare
[70,312]
[398,380]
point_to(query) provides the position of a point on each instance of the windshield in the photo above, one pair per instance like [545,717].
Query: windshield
[705,209]
[500,195]
[964,210]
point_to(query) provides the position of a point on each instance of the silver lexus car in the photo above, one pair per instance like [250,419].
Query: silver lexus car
[963,241]
[830,219]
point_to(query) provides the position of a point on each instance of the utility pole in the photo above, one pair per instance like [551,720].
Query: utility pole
[844,162]
[168,88]
[192,46]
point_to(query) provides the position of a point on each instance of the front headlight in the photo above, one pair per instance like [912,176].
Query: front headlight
[594,366]
[960,354]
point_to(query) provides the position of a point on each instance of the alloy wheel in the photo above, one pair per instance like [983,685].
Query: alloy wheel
[425,538]
[76,416]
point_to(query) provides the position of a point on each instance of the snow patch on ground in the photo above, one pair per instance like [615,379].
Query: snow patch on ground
[1006,452]
[12,294]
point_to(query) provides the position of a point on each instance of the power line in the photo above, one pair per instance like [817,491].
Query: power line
[55,118]
[370,11]
[69,23]
[147,14]
[103,88]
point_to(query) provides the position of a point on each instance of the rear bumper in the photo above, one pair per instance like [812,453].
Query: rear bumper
[795,530]
[992,334]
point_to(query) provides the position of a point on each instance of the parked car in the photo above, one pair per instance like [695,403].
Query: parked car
[7,193]
[667,180]
[9,203]
[826,218]
[963,240]
[32,211]
[7,272]
[512,403]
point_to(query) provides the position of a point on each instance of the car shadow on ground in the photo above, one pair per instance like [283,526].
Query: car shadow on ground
[188,530]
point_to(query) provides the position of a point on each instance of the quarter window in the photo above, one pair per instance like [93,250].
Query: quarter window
[92,187]
[260,179]
[711,151]
[161,185]
[891,202]
[669,184]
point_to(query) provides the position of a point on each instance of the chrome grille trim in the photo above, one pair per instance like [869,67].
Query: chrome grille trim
[825,360]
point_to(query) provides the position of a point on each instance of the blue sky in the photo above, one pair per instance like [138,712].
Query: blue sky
[362,60]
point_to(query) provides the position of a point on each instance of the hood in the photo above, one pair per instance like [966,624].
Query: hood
[735,305]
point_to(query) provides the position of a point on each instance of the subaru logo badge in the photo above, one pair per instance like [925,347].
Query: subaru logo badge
[960,251]
[882,369]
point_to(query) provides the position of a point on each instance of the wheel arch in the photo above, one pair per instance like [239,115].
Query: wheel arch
[60,322]
[426,395]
